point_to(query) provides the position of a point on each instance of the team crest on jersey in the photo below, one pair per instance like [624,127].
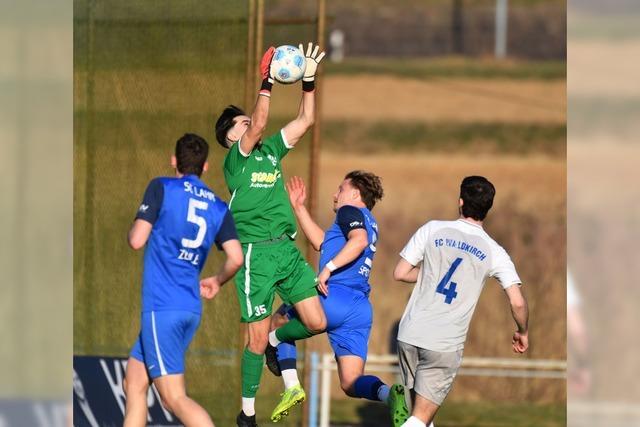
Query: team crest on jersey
[274,161]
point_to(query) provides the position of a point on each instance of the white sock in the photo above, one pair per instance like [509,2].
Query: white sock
[290,378]
[413,422]
[273,340]
[383,393]
[248,406]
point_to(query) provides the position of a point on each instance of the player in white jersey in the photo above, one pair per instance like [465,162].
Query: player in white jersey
[450,262]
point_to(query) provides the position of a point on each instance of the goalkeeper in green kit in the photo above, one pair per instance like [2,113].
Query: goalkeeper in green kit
[266,227]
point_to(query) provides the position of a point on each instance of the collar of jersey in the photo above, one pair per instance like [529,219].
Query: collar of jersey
[470,223]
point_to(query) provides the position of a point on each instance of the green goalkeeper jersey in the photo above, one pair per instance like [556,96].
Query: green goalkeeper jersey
[259,202]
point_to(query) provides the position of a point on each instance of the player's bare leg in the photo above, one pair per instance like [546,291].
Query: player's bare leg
[258,335]
[355,383]
[136,385]
[174,397]
[311,314]
[350,368]
[422,413]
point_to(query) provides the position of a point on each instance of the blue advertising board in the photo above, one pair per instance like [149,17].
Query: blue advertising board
[98,395]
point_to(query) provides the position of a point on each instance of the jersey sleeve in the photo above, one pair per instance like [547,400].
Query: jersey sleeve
[349,218]
[415,249]
[503,269]
[151,202]
[277,145]
[227,230]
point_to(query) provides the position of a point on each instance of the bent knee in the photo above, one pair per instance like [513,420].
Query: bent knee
[258,345]
[170,401]
[133,388]
[348,388]
[317,325]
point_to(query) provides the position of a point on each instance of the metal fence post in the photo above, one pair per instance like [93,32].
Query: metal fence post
[313,401]
[501,28]
[325,389]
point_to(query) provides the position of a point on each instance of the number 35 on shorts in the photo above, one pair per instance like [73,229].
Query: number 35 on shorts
[259,310]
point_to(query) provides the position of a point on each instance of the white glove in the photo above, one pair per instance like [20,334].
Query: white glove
[312,60]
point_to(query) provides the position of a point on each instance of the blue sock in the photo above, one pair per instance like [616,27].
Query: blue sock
[367,387]
[287,355]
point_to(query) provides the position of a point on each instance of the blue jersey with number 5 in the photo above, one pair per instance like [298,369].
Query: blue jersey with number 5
[187,219]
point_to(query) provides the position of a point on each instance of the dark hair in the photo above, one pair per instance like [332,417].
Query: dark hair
[369,185]
[225,122]
[191,154]
[477,195]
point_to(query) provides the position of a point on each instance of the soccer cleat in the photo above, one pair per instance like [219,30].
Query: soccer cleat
[290,398]
[398,405]
[246,421]
[271,354]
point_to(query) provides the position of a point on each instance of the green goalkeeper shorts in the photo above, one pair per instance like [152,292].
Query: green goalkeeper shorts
[269,268]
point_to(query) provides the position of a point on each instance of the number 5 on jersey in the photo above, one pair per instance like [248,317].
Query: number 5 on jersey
[193,217]
[449,291]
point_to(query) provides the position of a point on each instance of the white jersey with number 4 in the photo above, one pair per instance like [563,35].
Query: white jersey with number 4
[457,258]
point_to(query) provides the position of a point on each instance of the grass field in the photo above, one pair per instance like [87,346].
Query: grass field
[458,415]
[452,67]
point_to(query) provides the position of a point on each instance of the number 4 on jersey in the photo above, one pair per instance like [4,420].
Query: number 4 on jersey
[450,291]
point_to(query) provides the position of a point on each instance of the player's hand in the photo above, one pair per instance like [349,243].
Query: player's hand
[323,278]
[313,60]
[297,191]
[265,64]
[520,342]
[209,287]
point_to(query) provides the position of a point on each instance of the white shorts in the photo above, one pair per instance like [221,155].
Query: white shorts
[429,373]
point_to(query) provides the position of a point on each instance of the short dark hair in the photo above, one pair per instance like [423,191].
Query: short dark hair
[369,185]
[191,154]
[477,195]
[225,122]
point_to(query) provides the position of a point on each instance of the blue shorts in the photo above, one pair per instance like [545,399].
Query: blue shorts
[163,340]
[349,317]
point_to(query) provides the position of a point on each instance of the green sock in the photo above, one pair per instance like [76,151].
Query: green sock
[251,372]
[292,331]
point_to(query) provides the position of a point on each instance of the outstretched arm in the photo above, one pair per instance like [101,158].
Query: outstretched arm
[261,110]
[520,313]
[297,196]
[296,129]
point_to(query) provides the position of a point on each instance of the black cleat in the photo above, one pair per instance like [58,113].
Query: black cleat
[246,421]
[271,354]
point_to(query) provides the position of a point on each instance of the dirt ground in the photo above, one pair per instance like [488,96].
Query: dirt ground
[460,100]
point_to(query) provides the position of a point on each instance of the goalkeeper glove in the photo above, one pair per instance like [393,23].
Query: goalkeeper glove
[312,61]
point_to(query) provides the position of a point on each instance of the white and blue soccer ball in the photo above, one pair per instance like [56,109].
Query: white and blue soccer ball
[288,64]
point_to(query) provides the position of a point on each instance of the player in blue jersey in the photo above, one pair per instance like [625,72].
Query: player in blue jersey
[347,250]
[179,220]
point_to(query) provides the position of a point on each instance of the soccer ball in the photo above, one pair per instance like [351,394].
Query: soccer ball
[288,64]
